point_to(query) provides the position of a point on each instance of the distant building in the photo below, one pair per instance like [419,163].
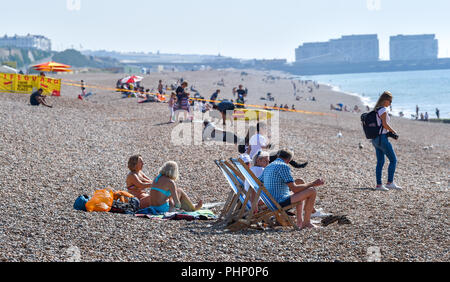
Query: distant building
[413,47]
[29,41]
[350,48]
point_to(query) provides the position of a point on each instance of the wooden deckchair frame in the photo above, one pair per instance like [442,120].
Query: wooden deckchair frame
[278,211]
[237,202]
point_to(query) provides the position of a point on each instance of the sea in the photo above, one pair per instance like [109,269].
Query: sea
[429,89]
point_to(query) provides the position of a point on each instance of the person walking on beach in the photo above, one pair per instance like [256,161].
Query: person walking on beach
[171,103]
[160,87]
[417,111]
[182,100]
[437,113]
[214,97]
[383,146]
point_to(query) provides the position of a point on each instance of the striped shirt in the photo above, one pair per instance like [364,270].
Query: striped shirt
[275,177]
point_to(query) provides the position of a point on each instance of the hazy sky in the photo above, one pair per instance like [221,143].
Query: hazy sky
[237,28]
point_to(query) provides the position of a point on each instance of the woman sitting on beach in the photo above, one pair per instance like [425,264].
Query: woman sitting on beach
[137,181]
[164,193]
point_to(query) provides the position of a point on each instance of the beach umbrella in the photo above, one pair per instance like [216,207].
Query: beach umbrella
[52,64]
[45,69]
[131,79]
[52,67]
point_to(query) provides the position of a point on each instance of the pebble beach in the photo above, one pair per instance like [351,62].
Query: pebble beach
[50,156]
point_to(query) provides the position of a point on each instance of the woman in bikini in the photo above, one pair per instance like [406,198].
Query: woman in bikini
[137,181]
[164,193]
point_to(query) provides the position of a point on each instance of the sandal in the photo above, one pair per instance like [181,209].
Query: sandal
[329,220]
[344,220]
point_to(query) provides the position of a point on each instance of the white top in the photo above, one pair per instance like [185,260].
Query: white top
[257,171]
[257,142]
[245,157]
[381,111]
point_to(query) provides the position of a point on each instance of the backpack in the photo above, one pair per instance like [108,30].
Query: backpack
[80,203]
[370,125]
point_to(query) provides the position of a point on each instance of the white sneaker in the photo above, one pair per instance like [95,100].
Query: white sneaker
[320,214]
[381,188]
[393,186]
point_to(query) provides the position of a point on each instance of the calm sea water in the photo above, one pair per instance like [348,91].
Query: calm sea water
[428,89]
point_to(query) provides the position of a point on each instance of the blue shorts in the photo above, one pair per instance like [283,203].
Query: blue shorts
[286,202]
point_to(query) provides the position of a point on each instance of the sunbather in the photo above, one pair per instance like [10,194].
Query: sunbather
[260,161]
[137,181]
[164,193]
[279,182]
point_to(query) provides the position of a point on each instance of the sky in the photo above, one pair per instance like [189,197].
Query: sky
[261,29]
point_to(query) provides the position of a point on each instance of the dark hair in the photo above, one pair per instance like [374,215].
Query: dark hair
[259,125]
[285,154]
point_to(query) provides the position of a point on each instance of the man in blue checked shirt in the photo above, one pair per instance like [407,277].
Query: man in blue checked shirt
[278,180]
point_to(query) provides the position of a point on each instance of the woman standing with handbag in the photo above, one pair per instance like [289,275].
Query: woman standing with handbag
[383,146]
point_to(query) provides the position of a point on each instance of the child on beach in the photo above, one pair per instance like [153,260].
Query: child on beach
[171,103]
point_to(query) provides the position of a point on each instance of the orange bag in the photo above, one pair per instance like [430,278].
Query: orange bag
[101,201]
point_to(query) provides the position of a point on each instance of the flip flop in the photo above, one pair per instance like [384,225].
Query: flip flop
[329,220]
[344,220]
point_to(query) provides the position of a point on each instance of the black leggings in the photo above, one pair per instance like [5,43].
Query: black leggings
[274,156]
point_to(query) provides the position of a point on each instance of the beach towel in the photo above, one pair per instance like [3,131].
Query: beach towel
[202,214]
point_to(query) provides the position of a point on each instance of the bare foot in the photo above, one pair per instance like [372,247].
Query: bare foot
[199,205]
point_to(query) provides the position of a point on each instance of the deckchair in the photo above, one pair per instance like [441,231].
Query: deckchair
[238,198]
[273,208]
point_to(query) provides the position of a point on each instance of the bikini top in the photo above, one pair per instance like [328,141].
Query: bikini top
[166,193]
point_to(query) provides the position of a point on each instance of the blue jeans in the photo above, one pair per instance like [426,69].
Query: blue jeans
[384,148]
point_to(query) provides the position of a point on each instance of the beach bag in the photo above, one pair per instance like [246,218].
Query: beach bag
[101,201]
[80,203]
[370,125]
[124,202]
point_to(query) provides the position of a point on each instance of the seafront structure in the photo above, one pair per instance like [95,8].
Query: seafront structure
[413,47]
[28,41]
[348,48]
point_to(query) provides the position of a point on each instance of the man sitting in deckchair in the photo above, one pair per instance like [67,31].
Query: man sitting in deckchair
[278,180]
